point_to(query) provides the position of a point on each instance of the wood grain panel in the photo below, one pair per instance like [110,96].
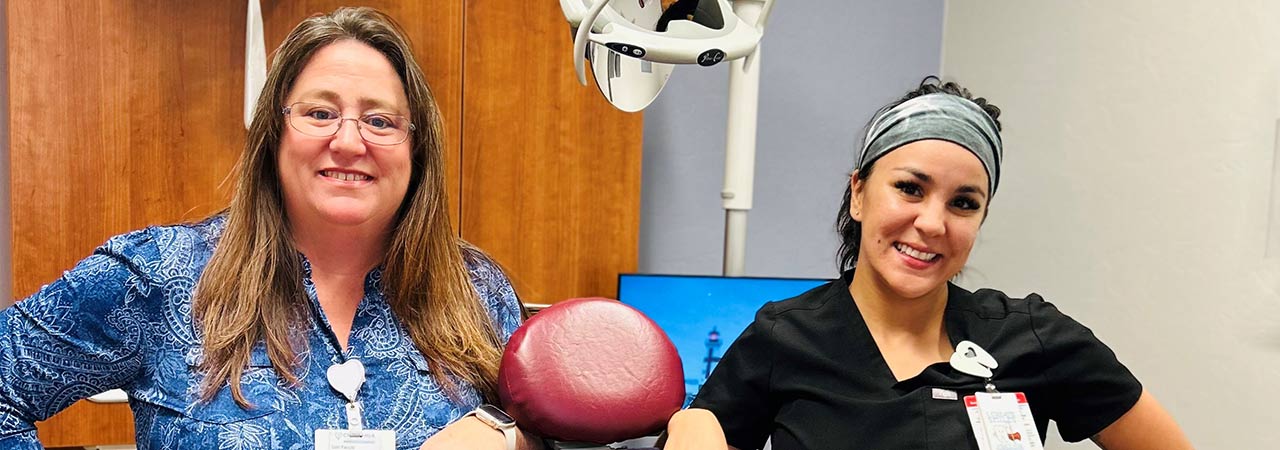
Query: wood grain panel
[123,114]
[86,423]
[550,171]
[435,29]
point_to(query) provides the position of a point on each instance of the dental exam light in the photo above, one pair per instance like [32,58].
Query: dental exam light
[633,46]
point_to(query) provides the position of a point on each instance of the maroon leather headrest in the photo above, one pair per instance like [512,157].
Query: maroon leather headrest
[591,370]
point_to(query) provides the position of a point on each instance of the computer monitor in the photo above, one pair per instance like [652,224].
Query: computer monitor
[702,315]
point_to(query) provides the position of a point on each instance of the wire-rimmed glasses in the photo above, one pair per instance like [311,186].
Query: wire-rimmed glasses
[375,128]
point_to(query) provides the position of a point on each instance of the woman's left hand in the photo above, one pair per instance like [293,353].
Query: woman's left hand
[468,433]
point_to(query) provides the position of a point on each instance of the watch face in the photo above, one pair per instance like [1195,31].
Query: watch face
[497,415]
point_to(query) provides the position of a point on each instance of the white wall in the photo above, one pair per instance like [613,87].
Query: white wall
[1139,139]
[827,65]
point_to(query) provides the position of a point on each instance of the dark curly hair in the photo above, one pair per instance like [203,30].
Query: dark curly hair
[851,230]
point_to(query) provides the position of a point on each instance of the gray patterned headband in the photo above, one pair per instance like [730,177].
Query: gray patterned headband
[936,116]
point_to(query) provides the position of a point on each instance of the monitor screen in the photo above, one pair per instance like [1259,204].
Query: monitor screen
[702,315]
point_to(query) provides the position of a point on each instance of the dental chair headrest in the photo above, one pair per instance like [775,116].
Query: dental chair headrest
[591,370]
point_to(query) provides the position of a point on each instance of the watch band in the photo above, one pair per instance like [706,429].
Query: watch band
[497,419]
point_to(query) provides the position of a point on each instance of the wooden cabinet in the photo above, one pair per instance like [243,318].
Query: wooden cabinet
[127,113]
[550,171]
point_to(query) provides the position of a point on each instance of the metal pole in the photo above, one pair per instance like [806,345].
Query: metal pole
[740,145]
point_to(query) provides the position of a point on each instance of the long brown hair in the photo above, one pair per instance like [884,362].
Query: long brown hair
[251,291]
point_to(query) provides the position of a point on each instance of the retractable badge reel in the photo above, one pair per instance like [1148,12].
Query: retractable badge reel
[1000,420]
[346,379]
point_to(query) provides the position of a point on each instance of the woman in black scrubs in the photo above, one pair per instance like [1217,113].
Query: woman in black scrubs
[884,357]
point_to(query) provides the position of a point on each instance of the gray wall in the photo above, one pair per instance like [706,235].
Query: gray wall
[1139,145]
[827,65]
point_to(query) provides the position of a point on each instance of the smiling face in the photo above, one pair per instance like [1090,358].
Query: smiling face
[341,180]
[920,212]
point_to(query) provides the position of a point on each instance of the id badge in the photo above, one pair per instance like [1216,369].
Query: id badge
[1002,421]
[355,439]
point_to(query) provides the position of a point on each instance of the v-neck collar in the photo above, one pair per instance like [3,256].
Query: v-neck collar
[938,373]
[370,292]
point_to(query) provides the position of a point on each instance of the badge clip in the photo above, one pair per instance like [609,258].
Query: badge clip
[347,378]
[970,359]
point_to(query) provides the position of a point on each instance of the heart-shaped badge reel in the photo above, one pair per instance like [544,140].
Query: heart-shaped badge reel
[347,378]
[971,359]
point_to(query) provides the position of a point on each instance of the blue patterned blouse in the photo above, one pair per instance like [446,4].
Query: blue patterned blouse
[122,319]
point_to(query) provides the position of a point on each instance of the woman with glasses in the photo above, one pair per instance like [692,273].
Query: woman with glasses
[892,355]
[330,305]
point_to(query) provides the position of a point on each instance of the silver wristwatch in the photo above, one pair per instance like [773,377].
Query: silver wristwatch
[494,416]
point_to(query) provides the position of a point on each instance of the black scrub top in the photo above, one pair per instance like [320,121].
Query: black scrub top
[808,373]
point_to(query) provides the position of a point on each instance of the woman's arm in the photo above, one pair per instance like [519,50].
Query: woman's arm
[1146,426]
[472,434]
[76,337]
[695,429]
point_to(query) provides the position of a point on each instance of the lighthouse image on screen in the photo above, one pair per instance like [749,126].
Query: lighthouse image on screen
[703,315]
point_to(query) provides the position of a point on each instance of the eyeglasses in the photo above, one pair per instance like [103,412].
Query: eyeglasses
[324,121]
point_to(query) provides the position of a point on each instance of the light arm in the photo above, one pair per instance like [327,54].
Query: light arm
[1145,426]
